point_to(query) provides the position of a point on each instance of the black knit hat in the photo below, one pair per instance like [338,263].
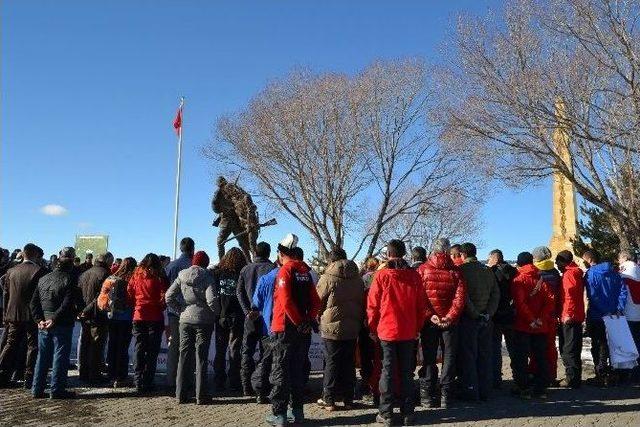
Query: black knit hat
[564,256]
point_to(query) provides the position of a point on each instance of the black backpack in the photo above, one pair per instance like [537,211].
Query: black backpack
[118,297]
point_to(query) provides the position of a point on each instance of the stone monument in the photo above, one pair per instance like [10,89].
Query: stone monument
[564,224]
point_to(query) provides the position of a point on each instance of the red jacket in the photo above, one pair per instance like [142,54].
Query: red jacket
[530,304]
[146,295]
[291,301]
[396,304]
[572,294]
[444,287]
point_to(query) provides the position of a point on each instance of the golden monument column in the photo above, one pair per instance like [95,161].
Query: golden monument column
[564,224]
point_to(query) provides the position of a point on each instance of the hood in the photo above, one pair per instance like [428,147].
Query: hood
[194,276]
[602,268]
[630,270]
[440,261]
[529,270]
[545,265]
[344,269]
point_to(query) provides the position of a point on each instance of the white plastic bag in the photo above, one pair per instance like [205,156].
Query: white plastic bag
[622,349]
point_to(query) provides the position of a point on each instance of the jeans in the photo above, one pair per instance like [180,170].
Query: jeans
[118,349]
[599,346]
[228,337]
[500,331]
[397,359]
[475,357]
[571,351]
[148,336]
[287,371]
[525,344]
[251,339]
[15,333]
[92,343]
[260,375]
[54,347]
[194,350]
[173,349]
[430,338]
[339,370]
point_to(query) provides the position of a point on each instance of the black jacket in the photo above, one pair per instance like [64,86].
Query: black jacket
[19,285]
[54,297]
[225,306]
[90,283]
[248,279]
[505,314]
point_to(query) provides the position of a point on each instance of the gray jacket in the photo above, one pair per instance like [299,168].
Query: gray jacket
[192,295]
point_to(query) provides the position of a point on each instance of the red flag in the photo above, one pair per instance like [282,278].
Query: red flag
[177,123]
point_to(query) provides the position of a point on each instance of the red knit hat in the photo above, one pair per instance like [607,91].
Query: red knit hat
[200,258]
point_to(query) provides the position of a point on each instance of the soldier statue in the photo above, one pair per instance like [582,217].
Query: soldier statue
[237,215]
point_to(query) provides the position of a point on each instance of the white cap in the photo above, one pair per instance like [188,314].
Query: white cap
[290,241]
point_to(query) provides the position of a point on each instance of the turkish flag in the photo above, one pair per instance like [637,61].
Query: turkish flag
[177,123]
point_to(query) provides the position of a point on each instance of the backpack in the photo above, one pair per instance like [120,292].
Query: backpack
[118,297]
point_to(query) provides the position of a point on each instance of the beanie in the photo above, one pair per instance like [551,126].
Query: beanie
[201,259]
[541,253]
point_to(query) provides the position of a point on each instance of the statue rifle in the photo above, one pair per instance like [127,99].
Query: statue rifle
[269,223]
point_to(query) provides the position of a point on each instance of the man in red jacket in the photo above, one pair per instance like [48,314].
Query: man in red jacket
[534,304]
[445,293]
[295,308]
[396,309]
[571,319]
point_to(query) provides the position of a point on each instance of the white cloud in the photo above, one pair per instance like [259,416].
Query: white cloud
[54,210]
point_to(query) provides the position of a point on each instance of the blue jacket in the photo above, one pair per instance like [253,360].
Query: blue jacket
[263,298]
[173,268]
[604,286]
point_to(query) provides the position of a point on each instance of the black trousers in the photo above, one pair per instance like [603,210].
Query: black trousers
[500,331]
[15,333]
[570,340]
[260,376]
[431,337]
[118,349]
[287,377]
[397,358]
[525,344]
[475,357]
[195,341]
[367,351]
[599,347]
[173,349]
[92,342]
[251,339]
[148,336]
[229,338]
[339,370]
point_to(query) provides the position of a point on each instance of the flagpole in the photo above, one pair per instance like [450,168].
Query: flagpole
[177,205]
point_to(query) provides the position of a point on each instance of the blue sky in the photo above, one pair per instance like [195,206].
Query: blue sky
[89,91]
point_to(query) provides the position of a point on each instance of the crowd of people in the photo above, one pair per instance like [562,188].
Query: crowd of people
[388,314]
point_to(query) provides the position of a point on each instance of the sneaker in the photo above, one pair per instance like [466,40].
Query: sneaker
[204,401]
[62,395]
[331,407]
[295,416]
[262,400]
[347,406]
[408,420]
[596,381]
[277,420]
[445,402]
[565,383]
[433,402]
[38,395]
[382,420]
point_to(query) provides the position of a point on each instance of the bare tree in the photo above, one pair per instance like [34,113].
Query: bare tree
[568,66]
[344,154]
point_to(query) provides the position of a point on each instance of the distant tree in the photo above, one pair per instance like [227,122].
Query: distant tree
[346,154]
[595,231]
[511,81]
